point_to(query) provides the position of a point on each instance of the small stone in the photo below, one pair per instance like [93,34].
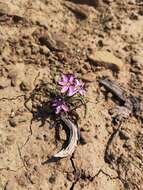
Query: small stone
[27,51]
[109,128]
[39,137]
[124,135]
[85,138]
[9,140]
[83,71]
[47,40]
[35,49]
[44,50]
[25,86]
[13,122]
[79,11]
[13,76]
[89,77]
[87,67]
[129,145]
[45,137]
[53,41]
[118,26]
[52,179]
[100,43]
[13,81]
[134,16]
[107,60]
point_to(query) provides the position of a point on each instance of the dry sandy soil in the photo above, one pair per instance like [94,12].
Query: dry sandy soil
[41,39]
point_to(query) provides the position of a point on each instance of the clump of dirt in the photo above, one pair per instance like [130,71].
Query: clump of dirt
[91,39]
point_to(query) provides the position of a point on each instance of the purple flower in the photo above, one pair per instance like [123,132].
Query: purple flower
[79,87]
[59,105]
[71,85]
[67,84]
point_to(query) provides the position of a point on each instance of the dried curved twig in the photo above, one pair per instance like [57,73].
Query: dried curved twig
[72,140]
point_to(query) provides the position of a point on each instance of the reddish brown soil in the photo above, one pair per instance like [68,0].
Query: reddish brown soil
[41,39]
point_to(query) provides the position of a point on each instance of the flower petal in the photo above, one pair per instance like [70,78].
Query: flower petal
[65,78]
[58,109]
[62,83]
[82,92]
[54,104]
[64,89]
[65,108]
[72,91]
[71,79]
[77,82]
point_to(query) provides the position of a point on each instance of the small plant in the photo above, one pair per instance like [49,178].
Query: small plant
[59,101]
[72,91]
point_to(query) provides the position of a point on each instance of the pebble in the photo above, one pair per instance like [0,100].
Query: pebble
[46,138]
[134,16]
[47,40]
[129,145]
[85,138]
[25,86]
[27,51]
[106,59]
[89,77]
[124,135]
[79,11]
[12,122]
[14,79]
[52,179]
[44,50]
[9,140]
[39,137]
[35,49]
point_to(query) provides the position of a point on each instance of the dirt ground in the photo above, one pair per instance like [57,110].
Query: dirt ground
[41,39]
